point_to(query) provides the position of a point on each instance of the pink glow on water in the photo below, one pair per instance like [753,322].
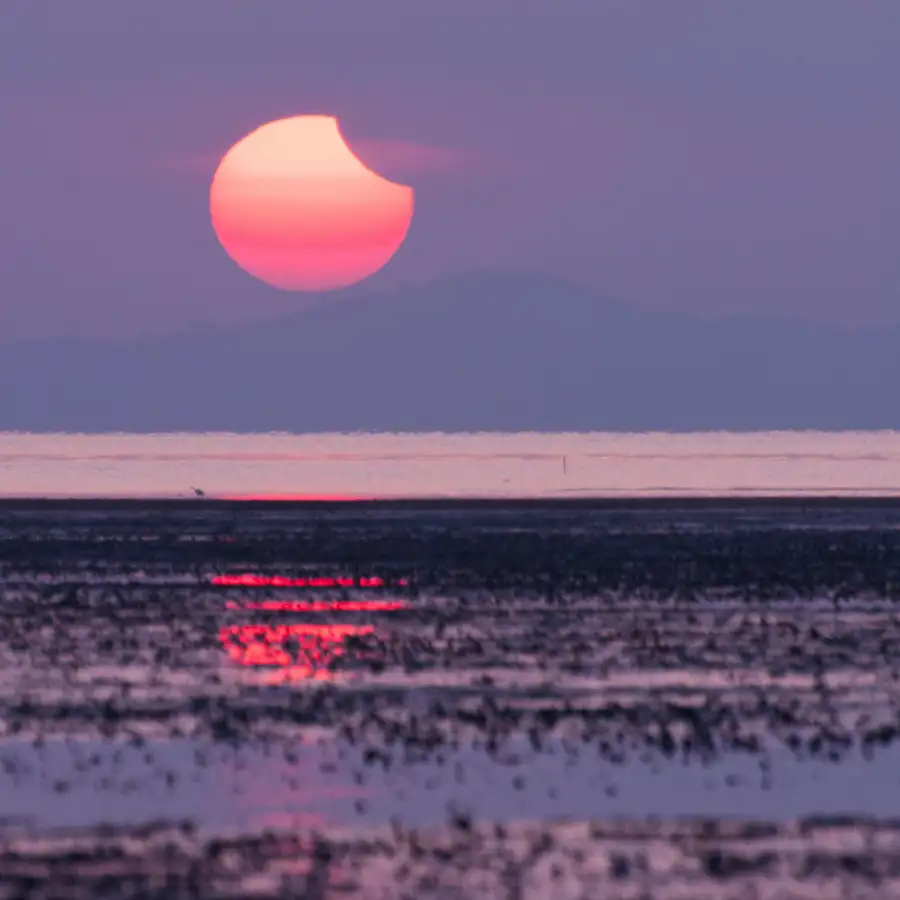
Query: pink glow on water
[279,581]
[312,650]
[294,498]
[320,605]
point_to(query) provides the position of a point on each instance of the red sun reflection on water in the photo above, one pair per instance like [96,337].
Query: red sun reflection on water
[250,580]
[295,498]
[320,605]
[295,651]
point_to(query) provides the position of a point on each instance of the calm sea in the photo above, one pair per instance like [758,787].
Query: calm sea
[450,465]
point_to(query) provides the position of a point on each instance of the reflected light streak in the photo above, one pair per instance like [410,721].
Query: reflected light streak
[295,498]
[248,580]
[313,647]
[320,605]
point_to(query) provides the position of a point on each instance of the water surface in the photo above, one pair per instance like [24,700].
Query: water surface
[451,465]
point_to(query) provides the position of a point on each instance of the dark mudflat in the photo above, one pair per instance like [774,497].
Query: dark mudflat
[727,667]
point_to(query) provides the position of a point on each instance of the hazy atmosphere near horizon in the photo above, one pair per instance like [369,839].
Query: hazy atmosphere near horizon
[627,215]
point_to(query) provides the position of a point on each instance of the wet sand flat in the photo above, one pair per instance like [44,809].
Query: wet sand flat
[646,698]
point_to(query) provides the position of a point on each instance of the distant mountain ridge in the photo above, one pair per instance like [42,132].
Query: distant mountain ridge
[491,351]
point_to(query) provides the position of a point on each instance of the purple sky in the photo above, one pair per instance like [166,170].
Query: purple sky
[705,155]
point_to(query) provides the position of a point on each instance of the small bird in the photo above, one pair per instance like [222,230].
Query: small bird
[198,492]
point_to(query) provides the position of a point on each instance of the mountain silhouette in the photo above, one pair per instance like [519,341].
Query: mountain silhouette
[491,351]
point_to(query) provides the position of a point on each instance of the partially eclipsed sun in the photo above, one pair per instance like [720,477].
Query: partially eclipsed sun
[292,205]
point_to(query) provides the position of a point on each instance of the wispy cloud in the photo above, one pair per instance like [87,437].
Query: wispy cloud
[393,159]
[412,159]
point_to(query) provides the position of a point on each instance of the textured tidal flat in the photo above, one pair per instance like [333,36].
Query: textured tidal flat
[471,700]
